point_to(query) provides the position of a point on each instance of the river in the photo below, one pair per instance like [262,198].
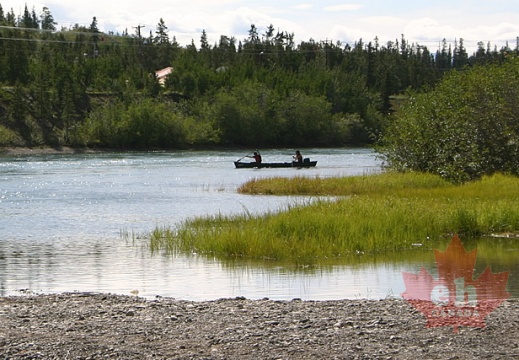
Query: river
[65,221]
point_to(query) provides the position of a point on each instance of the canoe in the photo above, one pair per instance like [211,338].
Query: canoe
[250,165]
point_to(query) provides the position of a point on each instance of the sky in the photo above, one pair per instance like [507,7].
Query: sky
[421,22]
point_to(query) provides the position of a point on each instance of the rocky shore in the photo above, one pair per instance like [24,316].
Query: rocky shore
[94,326]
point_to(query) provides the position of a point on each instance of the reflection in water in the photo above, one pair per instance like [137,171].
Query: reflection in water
[456,297]
[194,277]
[113,266]
[484,268]
[61,219]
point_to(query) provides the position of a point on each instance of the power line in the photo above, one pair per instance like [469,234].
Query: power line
[62,31]
[139,27]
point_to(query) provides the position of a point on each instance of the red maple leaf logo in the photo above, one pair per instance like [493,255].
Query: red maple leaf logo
[455,299]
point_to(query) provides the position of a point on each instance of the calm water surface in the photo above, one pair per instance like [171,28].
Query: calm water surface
[62,216]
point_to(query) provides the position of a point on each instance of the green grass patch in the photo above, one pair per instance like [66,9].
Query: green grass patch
[341,186]
[372,214]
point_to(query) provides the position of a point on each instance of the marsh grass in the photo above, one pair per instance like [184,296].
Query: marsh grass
[373,214]
[342,186]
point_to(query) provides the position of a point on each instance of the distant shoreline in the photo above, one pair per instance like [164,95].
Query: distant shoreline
[23,151]
[65,150]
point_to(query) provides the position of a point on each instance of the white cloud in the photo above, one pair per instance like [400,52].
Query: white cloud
[430,32]
[501,31]
[343,7]
[303,7]
[427,29]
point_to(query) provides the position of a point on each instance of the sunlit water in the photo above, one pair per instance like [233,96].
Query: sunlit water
[62,218]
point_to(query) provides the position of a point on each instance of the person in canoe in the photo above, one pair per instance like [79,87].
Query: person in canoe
[256,156]
[298,158]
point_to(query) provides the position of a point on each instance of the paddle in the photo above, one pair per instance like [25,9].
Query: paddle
[243,157]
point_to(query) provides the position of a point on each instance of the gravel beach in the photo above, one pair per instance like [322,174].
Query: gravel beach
[94,326]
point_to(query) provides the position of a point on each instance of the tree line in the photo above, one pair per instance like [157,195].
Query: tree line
[79,86]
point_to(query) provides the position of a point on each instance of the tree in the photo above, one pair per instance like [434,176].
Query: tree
[444,57]
[460,56]
[35,21]
[10,18]
[95,32]
[28,20]
[253,35]
[162,37]
[41,88]
[47,20]
[269,34]
[15,58]
[204,44]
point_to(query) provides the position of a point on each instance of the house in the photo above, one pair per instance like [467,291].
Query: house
[162,74]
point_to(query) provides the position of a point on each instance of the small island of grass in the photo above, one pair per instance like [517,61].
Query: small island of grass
[369,214]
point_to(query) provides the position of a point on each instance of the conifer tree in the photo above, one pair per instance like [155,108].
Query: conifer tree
[47,20]
[204,43]
[161,34]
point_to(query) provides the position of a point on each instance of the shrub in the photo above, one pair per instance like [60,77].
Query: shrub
[468,126]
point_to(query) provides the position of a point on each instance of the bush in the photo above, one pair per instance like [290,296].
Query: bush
[145,124]
[8,137]
[468,126]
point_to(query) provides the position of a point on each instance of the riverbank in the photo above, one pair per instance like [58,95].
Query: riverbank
[91,326]
[25,151]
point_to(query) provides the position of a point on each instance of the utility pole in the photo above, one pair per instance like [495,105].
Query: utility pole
[138,27]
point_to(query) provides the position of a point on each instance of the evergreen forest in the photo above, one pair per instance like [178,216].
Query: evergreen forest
[81,87]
